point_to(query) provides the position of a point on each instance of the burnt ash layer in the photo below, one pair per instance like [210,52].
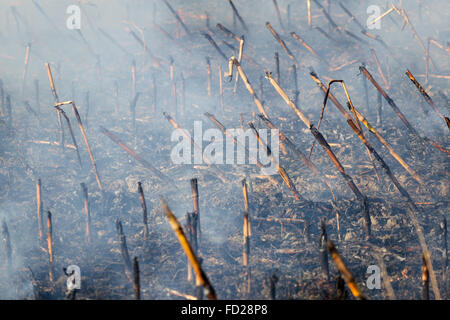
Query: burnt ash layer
[285,232]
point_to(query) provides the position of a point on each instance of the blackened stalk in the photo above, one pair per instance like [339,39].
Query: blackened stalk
[124,249]
[330,20]
[136,279]
[235,11]
[214,44]
[61,111]
[399,113]
[228,32]
[144,209]
[424,94]
[87,213]
[277,10]
[177,17]
[6,244]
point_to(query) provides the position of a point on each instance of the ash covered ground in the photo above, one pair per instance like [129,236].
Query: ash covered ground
[125,48]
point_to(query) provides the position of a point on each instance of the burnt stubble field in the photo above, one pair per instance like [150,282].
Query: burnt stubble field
[87,177]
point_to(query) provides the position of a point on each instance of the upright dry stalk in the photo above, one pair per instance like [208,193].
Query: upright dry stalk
[247,232]
[195,197]
[50,245]
[87,213]
[380,71]
[136,279]
[308,8]
[124,250]
[39,207]
[178,230]
[25,70]
[235,62]
[55,96]
[346,274]
[144,209]
[86,142]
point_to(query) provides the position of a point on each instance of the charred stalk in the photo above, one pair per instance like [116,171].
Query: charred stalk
[124,250]
[144,209]
[136,279]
